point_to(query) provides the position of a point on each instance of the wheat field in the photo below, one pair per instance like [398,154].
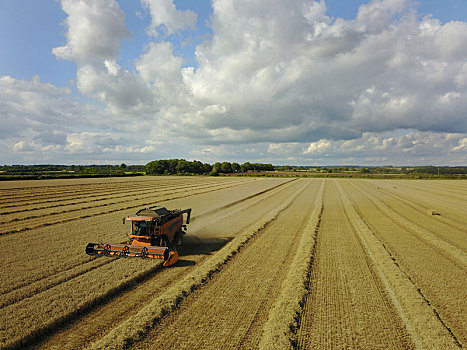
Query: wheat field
[268,263]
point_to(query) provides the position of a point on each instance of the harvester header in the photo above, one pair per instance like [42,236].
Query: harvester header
[155,232]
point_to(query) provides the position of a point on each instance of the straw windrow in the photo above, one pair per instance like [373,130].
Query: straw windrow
[135,328]
[279,330]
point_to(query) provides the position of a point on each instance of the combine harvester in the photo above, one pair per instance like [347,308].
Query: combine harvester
[156,233]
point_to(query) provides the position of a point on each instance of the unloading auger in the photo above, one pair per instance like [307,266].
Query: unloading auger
[156,233]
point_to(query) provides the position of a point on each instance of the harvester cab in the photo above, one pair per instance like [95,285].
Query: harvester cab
[155,232]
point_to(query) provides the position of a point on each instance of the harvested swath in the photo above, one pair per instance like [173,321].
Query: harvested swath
[438,277]
[452,190]
[421,322]
[430,237]
[432,198]
[25,197]
[77,290]
[53,218]
[224,222]
[346,306]
[38,185]
[430,270]
[450,227]
[65,242]
[279,330]
[34,287]
[25,321]
[17,216]
[453,215]
[137,326]
[74,198]
[31,287]
[230,311]
[109,193]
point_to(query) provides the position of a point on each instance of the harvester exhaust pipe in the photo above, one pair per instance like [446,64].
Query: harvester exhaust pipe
[188,212]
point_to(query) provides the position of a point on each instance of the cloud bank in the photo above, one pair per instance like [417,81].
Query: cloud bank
[280,82]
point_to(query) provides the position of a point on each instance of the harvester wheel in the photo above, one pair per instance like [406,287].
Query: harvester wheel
[144,252]
[164,242]
[107,249]
[125,251]
[178,241]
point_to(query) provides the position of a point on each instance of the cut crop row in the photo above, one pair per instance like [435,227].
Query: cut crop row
[74,198]
[108,200]
[24,322]
[435,272]
[139,325]
[52,218]
[347,305]
[430,237]
[225,220]
[63,245]
[38,194]
[282,322]
[446,227]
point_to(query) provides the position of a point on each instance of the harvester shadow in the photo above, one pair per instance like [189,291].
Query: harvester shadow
[184,263]
[199,245]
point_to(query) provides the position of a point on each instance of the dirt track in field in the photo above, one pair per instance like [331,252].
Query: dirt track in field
[383,273]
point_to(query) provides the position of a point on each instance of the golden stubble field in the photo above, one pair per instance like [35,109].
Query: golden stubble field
[268,263]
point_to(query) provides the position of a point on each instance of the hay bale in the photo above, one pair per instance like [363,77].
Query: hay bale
[432,212]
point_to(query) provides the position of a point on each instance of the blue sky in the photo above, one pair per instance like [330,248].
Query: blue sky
[27,39]
[224,121]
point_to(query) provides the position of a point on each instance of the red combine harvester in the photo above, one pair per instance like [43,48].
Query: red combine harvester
[156,233]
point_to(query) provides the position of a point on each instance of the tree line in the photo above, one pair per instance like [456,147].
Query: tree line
[78,169]
[182,166]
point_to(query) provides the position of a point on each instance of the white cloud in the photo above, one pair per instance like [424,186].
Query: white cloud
[119,89]
[161,71]
[279,80]
[405,148]
[288,72]
[33,107]
[286,67]
[165,14]
[95,28]
[318,146]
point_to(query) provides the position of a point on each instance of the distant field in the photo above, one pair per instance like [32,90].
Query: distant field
[268,263]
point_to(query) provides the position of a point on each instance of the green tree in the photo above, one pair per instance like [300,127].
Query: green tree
[183,167]
[207,168]
[216,168]
[226,167]
[236,168]
[246,166]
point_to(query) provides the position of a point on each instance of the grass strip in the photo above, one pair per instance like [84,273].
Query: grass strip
[136,327]
[279,329]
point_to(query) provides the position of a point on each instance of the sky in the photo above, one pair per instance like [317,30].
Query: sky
[376,82]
